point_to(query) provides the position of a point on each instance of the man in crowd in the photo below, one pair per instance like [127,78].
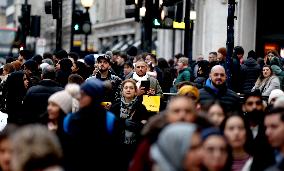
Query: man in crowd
[216,89]
[140,75]
[253,109]
[35,101]
[274,123]
[104,74]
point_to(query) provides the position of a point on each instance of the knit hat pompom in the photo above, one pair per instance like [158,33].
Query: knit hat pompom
[73,90]
[63,99]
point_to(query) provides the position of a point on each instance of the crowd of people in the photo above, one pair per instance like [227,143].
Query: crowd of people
[67,112]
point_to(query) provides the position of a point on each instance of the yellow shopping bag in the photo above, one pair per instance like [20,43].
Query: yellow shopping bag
[152,103]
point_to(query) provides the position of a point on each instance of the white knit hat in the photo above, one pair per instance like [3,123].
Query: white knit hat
[63,99]
[275,94]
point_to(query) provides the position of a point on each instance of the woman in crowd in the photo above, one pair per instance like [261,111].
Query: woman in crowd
[267,81]
[63,68]
[17,86]
[217,155]
[216,114]
[239,136]
[178,148]
[132,115]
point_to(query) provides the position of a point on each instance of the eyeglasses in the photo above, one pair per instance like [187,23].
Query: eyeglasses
[250,103]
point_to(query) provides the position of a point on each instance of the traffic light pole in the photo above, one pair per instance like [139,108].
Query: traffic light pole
[72,23]
[187,30]
[230,40]
[147,43]
[59,26]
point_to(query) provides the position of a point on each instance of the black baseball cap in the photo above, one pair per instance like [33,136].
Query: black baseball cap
[105,57]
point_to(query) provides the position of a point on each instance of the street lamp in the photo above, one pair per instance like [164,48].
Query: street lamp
[87,26]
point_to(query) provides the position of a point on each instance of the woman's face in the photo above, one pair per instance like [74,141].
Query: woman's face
[215,153]
[53,111]
[26,81]
[270,55]
[5,154]
[128,90]
[216,114]
[193,157]
[266,72]
[235,132]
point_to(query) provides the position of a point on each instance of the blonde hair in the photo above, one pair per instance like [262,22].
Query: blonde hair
[183,60]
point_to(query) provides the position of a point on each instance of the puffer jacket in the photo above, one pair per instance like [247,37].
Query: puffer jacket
[249,73]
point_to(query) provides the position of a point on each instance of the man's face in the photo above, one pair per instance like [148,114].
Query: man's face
[103,65]
[253,103]
[141,69]
[218,76]
[212,58]
[127,69]
[181,109]
[119,60]
[274,130]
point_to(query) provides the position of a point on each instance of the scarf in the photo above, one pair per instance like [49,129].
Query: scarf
[126,109]
[139,79]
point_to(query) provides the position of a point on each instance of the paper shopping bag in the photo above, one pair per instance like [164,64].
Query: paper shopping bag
[152,103]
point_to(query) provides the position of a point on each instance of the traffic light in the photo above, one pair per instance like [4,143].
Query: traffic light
[52,7]
[35,26]
[169,15]
[25,19]
[77,21]
[132,9]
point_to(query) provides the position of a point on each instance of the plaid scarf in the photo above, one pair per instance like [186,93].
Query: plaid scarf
[126,109]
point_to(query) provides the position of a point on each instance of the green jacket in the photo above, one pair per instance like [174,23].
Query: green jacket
[184,75]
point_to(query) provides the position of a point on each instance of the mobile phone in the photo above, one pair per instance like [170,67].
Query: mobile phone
[145,84]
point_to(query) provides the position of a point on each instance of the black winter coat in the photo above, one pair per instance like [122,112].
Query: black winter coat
[228,98]
[249,73]
[36,99]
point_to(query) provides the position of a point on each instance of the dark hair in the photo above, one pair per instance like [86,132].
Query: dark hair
[239,50]
[38,59]
[123,55]
[129,63]
[179,55]
[47,55]
[65,64]
[255,93]
[261,74]
[249,137]
[75,78]
[115,52]
[213,53]
[162,63]
[10,60]
[25,53]
[83,70]
[73,55]
[61,54]
[277,111]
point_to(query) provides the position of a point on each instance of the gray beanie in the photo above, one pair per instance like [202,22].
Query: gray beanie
[63,99]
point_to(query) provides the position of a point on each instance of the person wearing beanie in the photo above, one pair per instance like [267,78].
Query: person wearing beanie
[279,73]
[59,104]
[221,160]
[90,61]
[276,93]
[190,91]
[93,130]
